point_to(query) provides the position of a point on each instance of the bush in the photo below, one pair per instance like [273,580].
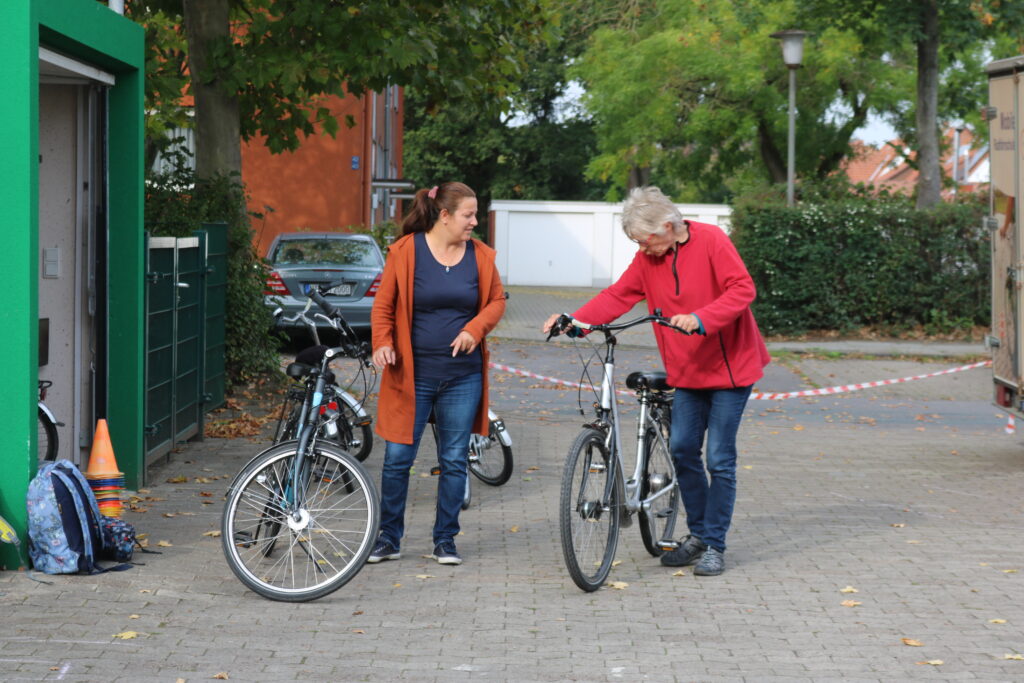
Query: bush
[175,206]
[855,261]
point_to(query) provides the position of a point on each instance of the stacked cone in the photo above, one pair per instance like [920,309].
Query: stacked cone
[106,481]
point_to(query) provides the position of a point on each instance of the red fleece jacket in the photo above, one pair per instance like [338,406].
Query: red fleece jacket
[704,276]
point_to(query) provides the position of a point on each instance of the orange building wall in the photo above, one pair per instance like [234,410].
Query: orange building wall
[315,187]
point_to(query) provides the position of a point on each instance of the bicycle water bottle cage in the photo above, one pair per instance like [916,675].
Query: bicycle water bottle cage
[647,380]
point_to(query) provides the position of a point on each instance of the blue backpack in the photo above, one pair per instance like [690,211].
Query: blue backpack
[64,534]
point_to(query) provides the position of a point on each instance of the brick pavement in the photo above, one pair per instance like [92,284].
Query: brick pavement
[911,495]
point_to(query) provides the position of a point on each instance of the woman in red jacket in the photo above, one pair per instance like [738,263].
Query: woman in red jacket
[692,272]
[440,295]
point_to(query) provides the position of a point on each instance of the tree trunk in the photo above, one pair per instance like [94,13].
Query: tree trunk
[773,161]
[218,136]
[929,180]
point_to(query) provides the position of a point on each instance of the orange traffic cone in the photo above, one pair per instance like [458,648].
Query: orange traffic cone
[101,459]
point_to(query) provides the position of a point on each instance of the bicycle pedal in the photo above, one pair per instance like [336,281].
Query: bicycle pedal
[668,545]
[435,471]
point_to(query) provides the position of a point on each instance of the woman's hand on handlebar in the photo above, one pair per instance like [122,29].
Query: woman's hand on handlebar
[686,321]
[546,327]
[385,355]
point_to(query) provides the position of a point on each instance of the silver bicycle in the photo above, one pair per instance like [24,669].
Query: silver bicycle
[596,497]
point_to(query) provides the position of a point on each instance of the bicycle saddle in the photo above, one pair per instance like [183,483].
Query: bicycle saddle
[306,361]
[648,380]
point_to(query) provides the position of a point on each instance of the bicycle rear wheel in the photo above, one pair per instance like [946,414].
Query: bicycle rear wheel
[46,437]
[295,555]
[589,511]
[658,522]
[489,459]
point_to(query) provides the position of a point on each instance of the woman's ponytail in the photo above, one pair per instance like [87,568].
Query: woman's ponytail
[428,202]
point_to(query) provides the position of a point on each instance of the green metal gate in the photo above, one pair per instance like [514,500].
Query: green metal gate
[186,281]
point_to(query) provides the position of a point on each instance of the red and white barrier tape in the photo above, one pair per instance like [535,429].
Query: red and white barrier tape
[825,391]
[778,396]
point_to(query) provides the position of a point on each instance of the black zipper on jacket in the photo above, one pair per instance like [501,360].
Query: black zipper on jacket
[675,255]
[725,357]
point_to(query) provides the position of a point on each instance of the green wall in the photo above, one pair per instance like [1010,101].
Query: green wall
[90,32]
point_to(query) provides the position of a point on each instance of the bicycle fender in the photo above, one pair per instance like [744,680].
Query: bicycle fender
[48,412]
[499,428]
[352,402]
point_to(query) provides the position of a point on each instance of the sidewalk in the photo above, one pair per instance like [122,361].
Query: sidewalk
[529,307]
[864,523]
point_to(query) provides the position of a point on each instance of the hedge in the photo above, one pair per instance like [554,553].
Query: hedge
[856,262]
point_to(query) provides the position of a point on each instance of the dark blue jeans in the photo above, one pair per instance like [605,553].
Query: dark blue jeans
[454,404]
[717,412]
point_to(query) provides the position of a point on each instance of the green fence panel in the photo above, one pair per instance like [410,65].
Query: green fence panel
[216,301]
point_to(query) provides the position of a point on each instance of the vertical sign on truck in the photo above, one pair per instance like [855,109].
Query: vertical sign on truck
[1006,103]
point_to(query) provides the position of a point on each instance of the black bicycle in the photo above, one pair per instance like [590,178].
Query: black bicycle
[343,419]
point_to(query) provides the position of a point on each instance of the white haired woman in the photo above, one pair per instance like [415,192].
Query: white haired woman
[693,273]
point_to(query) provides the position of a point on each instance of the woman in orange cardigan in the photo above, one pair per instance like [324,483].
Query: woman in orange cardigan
[438,298]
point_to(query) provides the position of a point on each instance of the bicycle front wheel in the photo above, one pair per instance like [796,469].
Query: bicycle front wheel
[46,437]
[660,500]
[589,511]
[296,553]
[489,459]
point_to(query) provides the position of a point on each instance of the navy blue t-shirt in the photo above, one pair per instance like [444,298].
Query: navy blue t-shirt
[444,300]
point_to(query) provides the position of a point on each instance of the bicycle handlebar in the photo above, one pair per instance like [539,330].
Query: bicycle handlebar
[566,323]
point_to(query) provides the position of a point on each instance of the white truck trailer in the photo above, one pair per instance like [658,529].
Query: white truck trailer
[1006,144]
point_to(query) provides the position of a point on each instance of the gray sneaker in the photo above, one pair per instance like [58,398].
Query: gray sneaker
[712,564]
[688,552]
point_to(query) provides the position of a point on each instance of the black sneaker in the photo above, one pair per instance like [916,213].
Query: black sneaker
[689,551]
[445,553]
[383,550]
[711,564]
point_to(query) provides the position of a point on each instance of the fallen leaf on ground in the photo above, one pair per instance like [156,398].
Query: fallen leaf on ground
[898,525]
[1009,571]
[177,480]
[133,616]
[165,544]
[912,643]
[1014,656]
[848,589]
[396,585]
[932,662]
[214,533]
[616,563]
[679,573]
[357,613]
[358,630]
[850,603]
[618,585]
[222,676]
[997,621]
[748,467]
[126,635]
[514,529]
[532,468]
[425,576]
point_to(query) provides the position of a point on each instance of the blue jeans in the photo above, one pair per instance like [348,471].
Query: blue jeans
[454,404]
[717,412]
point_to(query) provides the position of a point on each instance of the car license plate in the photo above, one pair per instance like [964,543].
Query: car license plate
[340,290]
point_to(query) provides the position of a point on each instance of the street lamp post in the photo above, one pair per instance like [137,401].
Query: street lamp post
[792,55]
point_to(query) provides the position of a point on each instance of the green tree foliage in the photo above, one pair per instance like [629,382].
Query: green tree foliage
[690,94]
[281,57]
[944,43]
[538,147]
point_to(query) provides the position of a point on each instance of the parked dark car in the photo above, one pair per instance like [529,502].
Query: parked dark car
[351,265]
